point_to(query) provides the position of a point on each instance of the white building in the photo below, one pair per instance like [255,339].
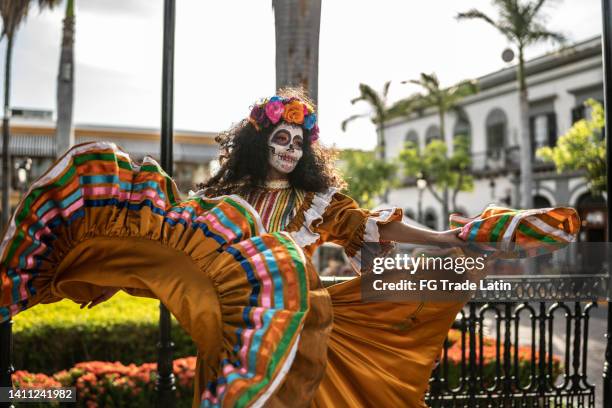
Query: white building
[558,84]
[32,141]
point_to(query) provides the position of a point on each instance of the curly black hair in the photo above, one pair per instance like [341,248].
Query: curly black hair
[244,159]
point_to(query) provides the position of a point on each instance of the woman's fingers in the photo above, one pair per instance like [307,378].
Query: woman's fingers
[107,293]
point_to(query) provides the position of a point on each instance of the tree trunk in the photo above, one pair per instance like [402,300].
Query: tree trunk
[526,154]
[297,25]
[441,114]
[445,210]
[382,154]
[445,204]
[6,188]
[64,133]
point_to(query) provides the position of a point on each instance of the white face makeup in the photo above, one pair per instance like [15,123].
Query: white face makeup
[285,144]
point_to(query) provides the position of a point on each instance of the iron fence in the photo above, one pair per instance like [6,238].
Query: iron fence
[503,371]
[502,352]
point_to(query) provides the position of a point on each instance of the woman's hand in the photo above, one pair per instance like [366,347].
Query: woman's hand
[107,293]
[449,237]
[398,231]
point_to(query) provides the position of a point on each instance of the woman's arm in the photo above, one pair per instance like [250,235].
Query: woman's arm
[400,232]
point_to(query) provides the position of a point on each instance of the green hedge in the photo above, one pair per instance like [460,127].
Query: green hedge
[52,337]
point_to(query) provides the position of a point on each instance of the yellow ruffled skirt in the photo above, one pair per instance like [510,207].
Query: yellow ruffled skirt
[267,332]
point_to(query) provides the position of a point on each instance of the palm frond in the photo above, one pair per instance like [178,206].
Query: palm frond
[357,99]
[430,78]
[48,4]
[404,106]
[474,14]
[386,89]
[370,95]
[350,119]
[539,33]
[501,25]
[536,7]
[14,13]
[413,81]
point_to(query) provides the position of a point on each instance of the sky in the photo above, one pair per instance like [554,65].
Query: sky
[225,55]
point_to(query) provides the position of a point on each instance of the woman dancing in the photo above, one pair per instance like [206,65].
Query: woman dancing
[232,264]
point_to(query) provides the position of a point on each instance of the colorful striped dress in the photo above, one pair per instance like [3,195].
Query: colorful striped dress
[237,274]
[516,233]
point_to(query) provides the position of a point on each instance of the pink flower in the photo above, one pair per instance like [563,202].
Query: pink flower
[274,111]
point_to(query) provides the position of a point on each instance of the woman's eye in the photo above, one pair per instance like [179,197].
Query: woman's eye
[280,138]
[298,143]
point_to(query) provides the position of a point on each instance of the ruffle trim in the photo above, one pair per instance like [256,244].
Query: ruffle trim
[519,232]
[368,232]
[315,206]
[142,201]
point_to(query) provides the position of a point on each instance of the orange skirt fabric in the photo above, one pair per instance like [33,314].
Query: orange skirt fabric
[267,332]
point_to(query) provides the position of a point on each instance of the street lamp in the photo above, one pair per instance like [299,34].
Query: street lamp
[421,185]
[23,171]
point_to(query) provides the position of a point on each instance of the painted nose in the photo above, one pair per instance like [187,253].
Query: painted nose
[290,148]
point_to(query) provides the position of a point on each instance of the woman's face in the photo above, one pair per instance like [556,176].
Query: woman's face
[285,147]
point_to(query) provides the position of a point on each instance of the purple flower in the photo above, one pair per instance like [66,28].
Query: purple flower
[314,133]
[259,115]
[274,111]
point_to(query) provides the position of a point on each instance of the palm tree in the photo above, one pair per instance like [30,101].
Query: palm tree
[520,22]
[444,100]
[13,13]
[378,114]
[297,25]
[64,132]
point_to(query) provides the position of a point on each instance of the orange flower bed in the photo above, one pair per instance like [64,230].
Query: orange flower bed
[101,383]
[490,358]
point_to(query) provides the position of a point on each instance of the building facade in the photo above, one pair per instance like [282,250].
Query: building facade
[559,83]
[33,149]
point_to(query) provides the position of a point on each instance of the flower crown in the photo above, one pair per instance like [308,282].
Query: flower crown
[291,110]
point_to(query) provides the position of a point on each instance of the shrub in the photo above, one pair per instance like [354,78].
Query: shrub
[124,328]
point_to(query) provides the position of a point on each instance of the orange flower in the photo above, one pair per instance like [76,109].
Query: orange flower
[294,112]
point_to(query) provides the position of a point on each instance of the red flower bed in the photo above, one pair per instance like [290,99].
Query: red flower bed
[490,358]
[101,383]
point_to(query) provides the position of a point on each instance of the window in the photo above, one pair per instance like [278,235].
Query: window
[543,131]
[412,136]
[584,112]
[433,132]
[462,126]
[496,125]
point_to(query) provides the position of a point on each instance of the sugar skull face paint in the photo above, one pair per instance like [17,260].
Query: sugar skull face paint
[285,144]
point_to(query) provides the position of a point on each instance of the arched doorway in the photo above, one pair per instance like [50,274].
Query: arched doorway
[431,219]
[408,213]
[539,201]
[496,129]
[432,133]
[593,217]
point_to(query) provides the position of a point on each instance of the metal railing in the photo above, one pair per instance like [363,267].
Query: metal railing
[501,372]
[502,350]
